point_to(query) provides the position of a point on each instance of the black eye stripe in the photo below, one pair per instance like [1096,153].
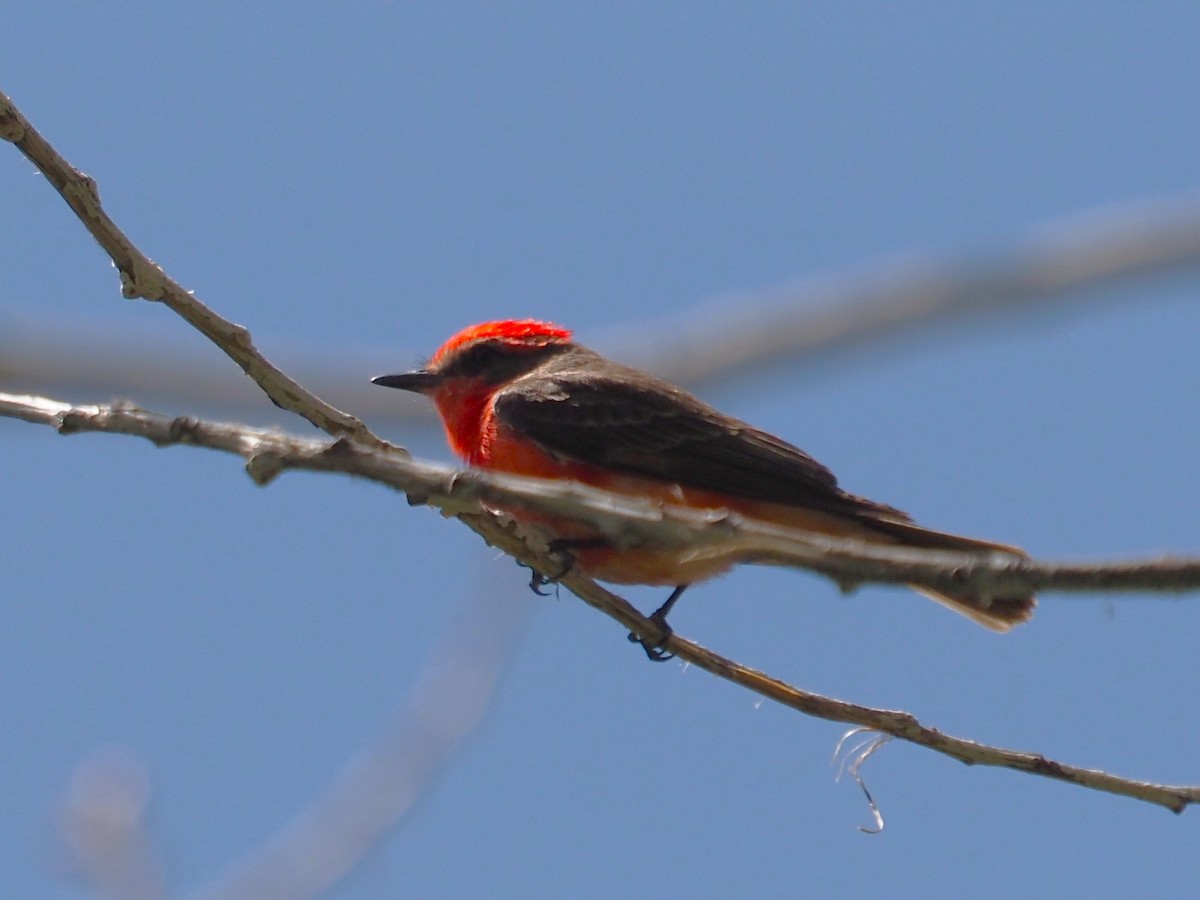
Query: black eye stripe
[479,356]
[497,361]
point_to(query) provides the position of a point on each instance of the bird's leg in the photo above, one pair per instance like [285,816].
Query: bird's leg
[654,651]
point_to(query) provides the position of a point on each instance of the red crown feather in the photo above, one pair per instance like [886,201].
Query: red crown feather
[523,332]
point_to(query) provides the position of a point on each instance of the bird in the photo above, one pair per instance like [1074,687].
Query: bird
[521,396]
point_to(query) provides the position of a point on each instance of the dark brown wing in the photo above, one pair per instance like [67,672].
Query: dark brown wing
[582,407]
[587,409]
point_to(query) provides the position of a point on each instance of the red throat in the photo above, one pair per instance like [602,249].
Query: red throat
[463,408]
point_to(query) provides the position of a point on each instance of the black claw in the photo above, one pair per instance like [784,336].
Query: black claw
[655,651]
[537,580]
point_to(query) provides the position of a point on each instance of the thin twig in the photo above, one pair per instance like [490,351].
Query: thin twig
[142,277]
[268,453]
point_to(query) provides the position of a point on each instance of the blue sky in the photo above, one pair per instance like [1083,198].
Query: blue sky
[366,179]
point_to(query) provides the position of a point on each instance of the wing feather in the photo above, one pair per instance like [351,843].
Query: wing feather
[620,418]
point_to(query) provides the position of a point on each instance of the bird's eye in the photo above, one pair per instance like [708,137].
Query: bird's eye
[482,355]
[478,359]
[489,351]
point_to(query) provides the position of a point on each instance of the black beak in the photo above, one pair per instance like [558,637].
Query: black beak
[420,382]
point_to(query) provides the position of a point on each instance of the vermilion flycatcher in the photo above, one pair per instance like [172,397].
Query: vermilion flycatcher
[522,397]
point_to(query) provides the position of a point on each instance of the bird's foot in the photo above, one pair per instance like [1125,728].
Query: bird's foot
[655,651]
[560,547]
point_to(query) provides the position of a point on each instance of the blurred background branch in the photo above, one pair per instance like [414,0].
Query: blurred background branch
[378,789]
[103,821]
[1047,268]
[105,834]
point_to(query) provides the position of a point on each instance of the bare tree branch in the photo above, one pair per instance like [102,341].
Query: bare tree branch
[268,453]
[624,521]
[142,277]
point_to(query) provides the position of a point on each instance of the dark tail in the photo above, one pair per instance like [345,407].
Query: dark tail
[997,613]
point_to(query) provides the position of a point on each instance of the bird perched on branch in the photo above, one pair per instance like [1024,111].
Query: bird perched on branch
[522,397]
